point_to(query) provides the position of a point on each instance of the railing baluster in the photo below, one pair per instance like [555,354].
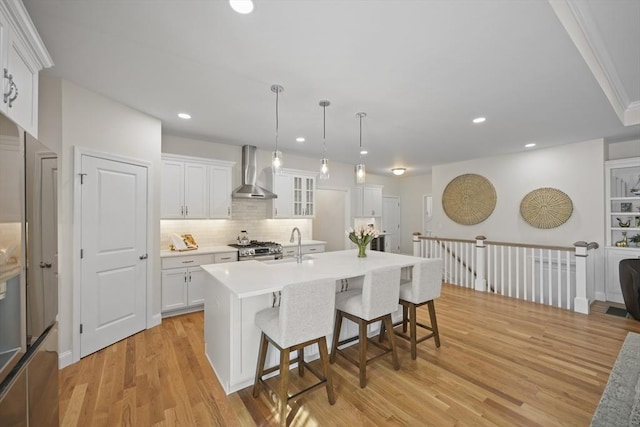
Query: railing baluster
[559,304]
[524,273]
[568,306]
[509,271]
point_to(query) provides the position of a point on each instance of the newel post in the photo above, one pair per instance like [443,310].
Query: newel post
[481,281]
[417,246]
[580,302]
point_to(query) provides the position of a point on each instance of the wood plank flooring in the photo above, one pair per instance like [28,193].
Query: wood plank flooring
[502,362]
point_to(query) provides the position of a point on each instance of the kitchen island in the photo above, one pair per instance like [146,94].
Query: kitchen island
[234,292]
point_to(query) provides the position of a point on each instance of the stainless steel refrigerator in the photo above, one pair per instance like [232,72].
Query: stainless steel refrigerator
[28,280]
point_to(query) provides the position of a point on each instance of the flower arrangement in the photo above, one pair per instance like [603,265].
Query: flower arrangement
[362,236]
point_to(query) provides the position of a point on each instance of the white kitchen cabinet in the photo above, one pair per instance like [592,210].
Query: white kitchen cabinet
[622,206]
[283,188]
[182,281]
[296,194]
[304,188]
[195,188]
[184,190]
[220,191]
[368,201]
[22,56]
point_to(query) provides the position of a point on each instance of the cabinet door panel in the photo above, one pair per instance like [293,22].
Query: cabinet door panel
[220,192]
[174,289]
[172,193]
[196,189]
[283,205]
[196,286]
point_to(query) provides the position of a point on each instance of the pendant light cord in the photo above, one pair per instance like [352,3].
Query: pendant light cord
[324,131]
[277,96]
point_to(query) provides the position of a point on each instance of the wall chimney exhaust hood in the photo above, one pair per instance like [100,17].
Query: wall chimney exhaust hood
[249,189]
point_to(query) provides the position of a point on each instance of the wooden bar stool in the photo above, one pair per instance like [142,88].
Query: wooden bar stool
[423,288]
[304,318]
[374,302]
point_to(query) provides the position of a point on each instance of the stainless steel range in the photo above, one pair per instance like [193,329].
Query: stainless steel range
[260,251]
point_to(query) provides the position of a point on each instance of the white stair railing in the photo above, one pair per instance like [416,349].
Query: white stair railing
[553,275]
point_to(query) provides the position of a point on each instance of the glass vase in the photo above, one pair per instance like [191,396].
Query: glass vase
[362,251]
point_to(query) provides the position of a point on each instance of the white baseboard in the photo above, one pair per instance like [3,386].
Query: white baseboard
[65,359]
[600,296]
[156,319]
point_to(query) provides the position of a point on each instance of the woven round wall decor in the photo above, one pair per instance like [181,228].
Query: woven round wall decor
[469,199]
[546,208]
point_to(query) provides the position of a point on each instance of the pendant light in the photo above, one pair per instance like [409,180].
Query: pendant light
[324,162]
[276,159]
[360,171]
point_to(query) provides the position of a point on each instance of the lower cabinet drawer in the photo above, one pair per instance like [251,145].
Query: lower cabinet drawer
[186,261]
[225,257]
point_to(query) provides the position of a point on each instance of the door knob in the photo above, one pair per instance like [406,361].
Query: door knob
[45,264]
[145,256]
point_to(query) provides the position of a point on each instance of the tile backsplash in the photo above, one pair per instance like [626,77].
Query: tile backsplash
[250,215]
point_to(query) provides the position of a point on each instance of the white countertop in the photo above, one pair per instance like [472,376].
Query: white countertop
[304,243]
[251,278]
[200,251]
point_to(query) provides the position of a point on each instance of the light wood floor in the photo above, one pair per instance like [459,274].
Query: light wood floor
[502,362]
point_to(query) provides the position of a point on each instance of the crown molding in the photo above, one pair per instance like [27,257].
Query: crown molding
[579,24]
[25,28]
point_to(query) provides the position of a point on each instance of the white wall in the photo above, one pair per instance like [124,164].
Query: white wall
[411,191]
[576,169]
[80,118]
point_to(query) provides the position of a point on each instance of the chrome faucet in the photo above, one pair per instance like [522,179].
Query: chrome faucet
[299,256]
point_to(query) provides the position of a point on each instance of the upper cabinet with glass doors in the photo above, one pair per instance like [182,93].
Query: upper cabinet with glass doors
[296,194]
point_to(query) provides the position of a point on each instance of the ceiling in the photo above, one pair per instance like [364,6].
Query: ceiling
[541,72]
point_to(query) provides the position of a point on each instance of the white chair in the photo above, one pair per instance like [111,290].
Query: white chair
[374,302]
[423,288]
[305,317]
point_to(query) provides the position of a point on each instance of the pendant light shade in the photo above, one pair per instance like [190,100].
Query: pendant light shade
[276,158]
[324,162]
[360,173]
[360,169]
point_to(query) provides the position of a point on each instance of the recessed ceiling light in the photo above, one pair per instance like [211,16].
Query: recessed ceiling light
[398,171]
[363,151]
[184,116]
[532,144]
[300,139]
[241,6]
[479,120]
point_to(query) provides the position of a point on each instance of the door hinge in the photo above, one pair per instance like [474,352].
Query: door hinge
[80,327]
[82,175]
[81,253]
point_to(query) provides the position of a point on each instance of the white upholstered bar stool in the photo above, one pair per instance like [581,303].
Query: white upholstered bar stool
[423,288]
[374,302]
[305,317]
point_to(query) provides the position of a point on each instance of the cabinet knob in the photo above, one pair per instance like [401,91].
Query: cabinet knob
[145,256]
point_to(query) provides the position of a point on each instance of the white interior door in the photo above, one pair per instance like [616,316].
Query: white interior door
[330,223]
[113,267]
[391,223]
